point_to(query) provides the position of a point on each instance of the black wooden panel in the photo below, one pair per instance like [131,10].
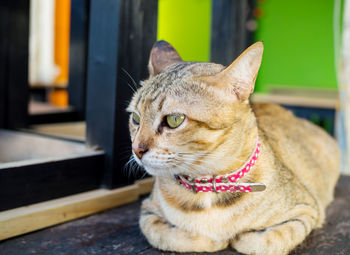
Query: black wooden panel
[67,116]
[138,33]
[121,35]
[17,86]
[229,34]
[28,184]
[4,18]
[78,55]
[102,80]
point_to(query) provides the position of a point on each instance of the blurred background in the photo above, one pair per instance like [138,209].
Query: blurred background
[69,67]
[299,39]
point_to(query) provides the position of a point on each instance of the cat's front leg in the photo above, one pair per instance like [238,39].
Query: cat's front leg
[164,236]
[278,239]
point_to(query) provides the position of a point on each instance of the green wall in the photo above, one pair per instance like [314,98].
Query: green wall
[186,25]
[298,40]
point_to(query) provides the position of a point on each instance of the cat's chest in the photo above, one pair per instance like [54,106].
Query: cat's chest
[219,223]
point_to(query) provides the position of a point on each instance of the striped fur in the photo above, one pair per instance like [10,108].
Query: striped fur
[298,162]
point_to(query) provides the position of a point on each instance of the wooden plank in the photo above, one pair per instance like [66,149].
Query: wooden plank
[145,185]
[302,91]
[329,103]
[30,218]
[41,215]
[70,130]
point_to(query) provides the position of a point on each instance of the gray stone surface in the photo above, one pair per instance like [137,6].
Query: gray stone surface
[116,231]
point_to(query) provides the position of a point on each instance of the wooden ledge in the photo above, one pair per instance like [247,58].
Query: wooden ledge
[296,100]
[41,215]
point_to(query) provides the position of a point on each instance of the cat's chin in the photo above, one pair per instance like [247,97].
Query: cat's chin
[155,171]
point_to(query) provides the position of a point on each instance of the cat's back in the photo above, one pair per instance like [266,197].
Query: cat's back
[304,148]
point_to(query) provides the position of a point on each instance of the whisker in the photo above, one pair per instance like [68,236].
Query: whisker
[130,77]
[126,103]
[132,88]
[143,176]
[132,167]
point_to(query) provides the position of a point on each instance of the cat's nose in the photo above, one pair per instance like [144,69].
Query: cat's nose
[139,150]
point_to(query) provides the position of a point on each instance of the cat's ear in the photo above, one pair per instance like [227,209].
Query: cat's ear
[239,77]
[162,55]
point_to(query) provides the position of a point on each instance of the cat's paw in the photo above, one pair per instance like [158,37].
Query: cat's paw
[182,241]
[257,243]
[205,244]
[250,243]
[217,246]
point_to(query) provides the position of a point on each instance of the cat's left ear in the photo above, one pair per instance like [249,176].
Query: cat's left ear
[162,55]
[240,76]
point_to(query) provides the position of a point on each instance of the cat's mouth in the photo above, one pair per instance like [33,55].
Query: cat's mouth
[147,165]
[155,166]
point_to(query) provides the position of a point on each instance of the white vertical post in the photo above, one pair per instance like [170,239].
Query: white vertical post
[344,87]
[42,68]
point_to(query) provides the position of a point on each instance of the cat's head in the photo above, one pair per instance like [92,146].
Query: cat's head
[191,117]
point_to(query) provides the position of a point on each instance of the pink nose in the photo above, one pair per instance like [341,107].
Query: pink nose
[139,150]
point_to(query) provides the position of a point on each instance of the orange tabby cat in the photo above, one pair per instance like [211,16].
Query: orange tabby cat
[227,173]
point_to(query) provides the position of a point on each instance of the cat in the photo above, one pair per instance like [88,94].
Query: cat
[228,173]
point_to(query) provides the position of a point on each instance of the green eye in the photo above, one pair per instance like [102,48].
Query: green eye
[175,120]
[135,118]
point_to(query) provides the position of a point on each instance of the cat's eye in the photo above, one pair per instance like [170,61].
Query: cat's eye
[135,118]
[175,120]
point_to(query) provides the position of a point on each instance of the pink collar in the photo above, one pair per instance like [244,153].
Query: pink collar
[225,182]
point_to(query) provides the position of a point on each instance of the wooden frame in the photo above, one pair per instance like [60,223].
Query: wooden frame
[34,217]
[36,168]
[103,47]
[112,50]
[320,108]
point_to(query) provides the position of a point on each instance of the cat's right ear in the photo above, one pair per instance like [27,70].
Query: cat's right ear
[240,76]
[162,55]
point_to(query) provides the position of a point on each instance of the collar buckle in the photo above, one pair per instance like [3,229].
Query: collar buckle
[214,184]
